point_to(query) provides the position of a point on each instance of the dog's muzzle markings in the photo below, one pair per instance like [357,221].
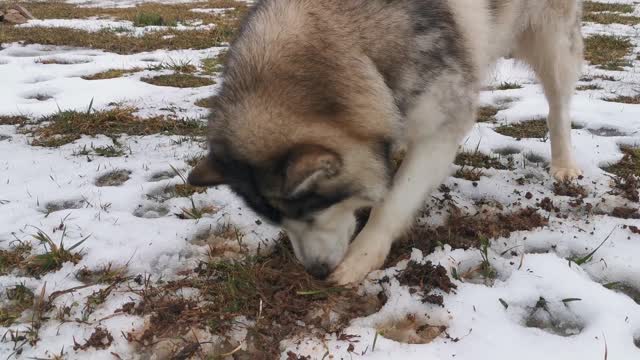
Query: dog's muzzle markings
[317,93]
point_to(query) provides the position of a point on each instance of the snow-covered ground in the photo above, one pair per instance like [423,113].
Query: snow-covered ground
[133,225]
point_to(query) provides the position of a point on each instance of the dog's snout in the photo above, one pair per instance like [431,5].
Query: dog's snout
[319,271]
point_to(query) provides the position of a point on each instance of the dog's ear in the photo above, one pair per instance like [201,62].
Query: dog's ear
[206,173]
[306,166]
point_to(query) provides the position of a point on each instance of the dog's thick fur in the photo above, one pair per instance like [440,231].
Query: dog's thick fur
[317,93]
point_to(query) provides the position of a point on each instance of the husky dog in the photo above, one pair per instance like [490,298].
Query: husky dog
[317,94]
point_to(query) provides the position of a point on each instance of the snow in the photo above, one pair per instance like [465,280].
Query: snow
[125,226]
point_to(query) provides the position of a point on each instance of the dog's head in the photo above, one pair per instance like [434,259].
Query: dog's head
[310,176]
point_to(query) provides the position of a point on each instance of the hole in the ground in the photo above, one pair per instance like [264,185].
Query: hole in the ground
[64,205]
[554,318]
[507,150]
[4,137]
[636,341]
[114,178]
[607,132]
[411,330]
[150,211]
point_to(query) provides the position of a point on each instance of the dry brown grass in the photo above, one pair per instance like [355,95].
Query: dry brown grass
[112,42]
[111,74]
[625,99]
[527,129]
[179,80]
[594,6]
[170,13]
[67,126]
[608,51]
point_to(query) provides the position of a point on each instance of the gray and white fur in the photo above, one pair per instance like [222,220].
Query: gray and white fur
[318,93]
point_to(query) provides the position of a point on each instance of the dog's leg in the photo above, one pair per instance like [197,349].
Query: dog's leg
[556,57]
[432,149]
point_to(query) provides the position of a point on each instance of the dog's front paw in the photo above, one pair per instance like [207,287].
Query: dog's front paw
[365,255]
[565,173]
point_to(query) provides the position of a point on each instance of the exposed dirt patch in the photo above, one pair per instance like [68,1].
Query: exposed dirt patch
[427,277]
[114,178]
[19,299]
[627,187]
[569,188]
[99,339]
[272,292]
[411,331]
[463,231]
[625,213]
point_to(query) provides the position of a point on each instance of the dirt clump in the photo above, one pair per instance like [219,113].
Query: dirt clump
[427,277]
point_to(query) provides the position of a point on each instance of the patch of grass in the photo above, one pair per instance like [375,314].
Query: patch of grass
[180,66]
[111,41]
[195,212]
[20,298]
[487,271]
[607,51]
[611,18]
[487,113]
[204,103]
[527,129]
[594,6]
[111,74]
[109,151]
[55,254]
[67,126]
[629,165]
[13,258]
[178,80]
[625,99]
[469,174]
[151,19]
[261,288]
[213,65]
[476,159]
[107,274]
[13,120]
[588,87]
[146,13]
[508,86]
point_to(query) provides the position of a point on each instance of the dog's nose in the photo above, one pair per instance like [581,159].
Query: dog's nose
[319,271]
